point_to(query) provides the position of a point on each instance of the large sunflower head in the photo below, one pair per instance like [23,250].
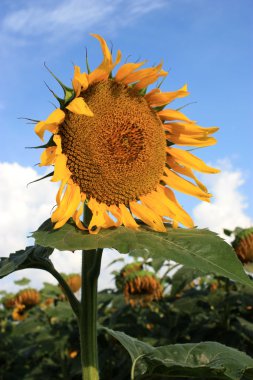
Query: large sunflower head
[112,147]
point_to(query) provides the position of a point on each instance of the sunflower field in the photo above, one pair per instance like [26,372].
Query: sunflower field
[42,340]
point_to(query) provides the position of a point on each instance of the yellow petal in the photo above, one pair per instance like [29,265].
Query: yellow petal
[158,98]
[68,206]
[57,141]
[61,171]
[127,218]
[181,215]
[186,140]
[115,211]
[154,202]
[60,191]
[190,161]
[80,81]
[50,124]
[185,171]
[76,217]
[189,129]
[172,115]
[48,156]
[178,183]
[127,69]
[145,82]
[147,216]
[103,70]
[79,106]
[144,74]
[97,220]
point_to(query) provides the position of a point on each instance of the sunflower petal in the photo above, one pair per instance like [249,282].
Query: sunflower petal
[80,81]
[147,216]
[157,98]
[178,183]
[145,74]
[190,161]
[169,114]
[51,124]
[127,69]
[185,171]
[103,70]
[76,217]
[191,141]
[181,215]
[178,128]
[127,218]
[67,206]
[48,156]
[79,107]
[60,169]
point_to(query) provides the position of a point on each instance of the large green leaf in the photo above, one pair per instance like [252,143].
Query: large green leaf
[207,360]
[31,257]
[201,249]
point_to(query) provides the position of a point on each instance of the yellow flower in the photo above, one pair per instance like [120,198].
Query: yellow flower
[113,149]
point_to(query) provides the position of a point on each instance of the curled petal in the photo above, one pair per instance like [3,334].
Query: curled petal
[79,107]
[51,124]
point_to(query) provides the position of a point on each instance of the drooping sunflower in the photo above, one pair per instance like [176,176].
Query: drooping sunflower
[112,147]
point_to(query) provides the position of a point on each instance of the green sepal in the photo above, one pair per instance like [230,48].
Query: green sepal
[143,91]
[45,176]
[160,108]
[47,145]
[87,62]
[69,93]
[185,105]
[60,100]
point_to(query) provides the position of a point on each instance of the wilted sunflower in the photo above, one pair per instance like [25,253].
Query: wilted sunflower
[112,147]
[141,288]
[243,245]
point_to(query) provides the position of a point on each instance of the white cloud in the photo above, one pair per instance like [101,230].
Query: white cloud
[228,205]
[22,210]
[70,17]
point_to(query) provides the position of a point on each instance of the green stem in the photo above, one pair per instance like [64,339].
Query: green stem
[91,261]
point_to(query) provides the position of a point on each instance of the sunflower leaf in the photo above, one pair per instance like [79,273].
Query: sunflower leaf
[194,360]
[195,248]
[31,257]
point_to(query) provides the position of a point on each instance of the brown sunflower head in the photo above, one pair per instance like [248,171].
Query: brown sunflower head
[112,147]
[141,288]
[28,297]
[243,245]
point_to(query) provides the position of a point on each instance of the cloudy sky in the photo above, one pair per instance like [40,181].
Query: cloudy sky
[204,43]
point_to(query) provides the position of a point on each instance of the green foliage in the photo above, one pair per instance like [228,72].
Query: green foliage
[208,359]
[31,257]
[46,343]
[201,249]
[22,282]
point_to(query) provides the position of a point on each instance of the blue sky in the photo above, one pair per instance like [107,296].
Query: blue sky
[204,43]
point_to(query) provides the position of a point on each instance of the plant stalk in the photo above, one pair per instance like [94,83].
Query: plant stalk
[91,261]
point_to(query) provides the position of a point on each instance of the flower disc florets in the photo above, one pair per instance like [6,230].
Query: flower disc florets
[111,154]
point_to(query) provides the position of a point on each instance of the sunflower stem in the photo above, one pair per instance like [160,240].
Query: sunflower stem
[91,261]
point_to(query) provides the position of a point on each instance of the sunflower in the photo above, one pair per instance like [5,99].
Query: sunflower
[141,288]
[112,148]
